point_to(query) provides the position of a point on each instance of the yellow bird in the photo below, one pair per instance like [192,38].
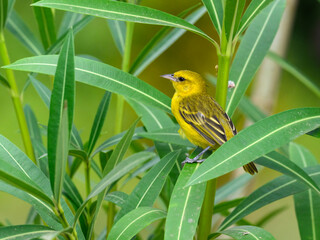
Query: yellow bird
[200,117]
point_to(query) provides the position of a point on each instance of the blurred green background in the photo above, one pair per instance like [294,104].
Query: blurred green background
[189,52]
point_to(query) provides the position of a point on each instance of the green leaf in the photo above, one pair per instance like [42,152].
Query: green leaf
[132,223]
[118,33]
[46,25]
[232,14]
[115,174]
[76,28]
[149,187]
[232,187]
[315,133]
[116,197]
[61,155]
[225,206]
[122,11]
[306,203]
[295,72]
[121,149]
[250,110]
[4,81]
[252,50]
[63,91]
[257,140]
[68,21]
[22,32]
[115,158]
[255,7]
[98,121]
[3,14]
[23,232]
[184,208]
[215,10]
[160,43]
[168,135]
[45,95]
[281,164]
[11,176]
[272,191]
[116,139]
[100,75]
[248,233]
[269,216]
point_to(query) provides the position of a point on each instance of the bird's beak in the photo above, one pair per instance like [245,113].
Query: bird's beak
[170,77]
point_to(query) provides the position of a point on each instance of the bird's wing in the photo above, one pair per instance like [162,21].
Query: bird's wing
[201,115]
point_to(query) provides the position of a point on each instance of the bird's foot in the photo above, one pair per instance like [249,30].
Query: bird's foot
[192,160]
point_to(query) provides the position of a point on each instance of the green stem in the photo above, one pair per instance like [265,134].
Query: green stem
[224,56]
[119,115]
[87,176]
[16,100]
[205,220]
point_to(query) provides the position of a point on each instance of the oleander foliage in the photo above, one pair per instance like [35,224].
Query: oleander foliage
[167,196]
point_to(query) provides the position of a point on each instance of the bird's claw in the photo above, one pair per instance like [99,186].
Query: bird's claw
[191,160]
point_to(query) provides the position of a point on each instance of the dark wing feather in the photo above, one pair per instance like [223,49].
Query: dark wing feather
[200,114]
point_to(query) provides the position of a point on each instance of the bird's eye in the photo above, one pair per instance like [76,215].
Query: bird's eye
[181,79]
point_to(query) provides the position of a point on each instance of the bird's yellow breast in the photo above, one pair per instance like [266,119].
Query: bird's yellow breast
[192,135]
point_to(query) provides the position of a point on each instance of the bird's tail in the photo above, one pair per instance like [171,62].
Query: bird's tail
[250,168]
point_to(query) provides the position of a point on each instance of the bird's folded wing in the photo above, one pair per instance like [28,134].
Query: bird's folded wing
[207,125]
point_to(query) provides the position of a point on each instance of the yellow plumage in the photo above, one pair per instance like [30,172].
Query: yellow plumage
[200,117]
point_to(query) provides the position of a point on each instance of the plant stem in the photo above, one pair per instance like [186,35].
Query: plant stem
[16,100]
[87,176]
[125,68]
[207,211]
[119,116]
[224,56]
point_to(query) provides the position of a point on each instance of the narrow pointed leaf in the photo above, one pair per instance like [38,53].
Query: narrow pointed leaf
[115,158]
[61,155]
[149,187]
[232,14]
[168,135]
[46,25]
[118,33]
[123,12]
[76,28]
[225,206]
[295,72]
[98,121]
[68,21]
[121,149]
[63,91]
[281,164]
[250,110]
[160,43]
[232,187]
[132,223]
[21,31]
[215,10]
[118,198]
[33,126]
[45,95]
[257,140]
[255,7]
[184,208]
[252,50]
[306,203]
[102,76]
[123,168]
[11,176]
[116,139]
[248,233]
[274,190]
[23,232]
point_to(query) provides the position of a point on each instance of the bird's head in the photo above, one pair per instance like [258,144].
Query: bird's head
[186,82]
